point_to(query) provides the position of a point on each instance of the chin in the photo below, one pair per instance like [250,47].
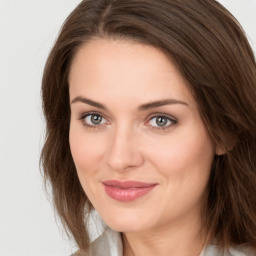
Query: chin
[126,221]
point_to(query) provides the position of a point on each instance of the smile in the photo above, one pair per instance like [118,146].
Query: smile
[128,190]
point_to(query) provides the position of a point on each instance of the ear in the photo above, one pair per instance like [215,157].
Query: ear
[219,151]
[222,150]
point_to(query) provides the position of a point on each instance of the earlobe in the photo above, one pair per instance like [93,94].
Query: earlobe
[220,151]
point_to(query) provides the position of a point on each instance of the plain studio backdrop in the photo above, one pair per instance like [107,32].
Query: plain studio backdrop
[27,31]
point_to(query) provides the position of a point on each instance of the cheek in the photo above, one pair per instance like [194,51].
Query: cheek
[185,153]
[184,163]
[86,152]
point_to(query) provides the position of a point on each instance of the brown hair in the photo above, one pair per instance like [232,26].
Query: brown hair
[211,51]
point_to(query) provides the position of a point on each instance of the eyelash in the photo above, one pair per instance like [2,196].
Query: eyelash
[84,115]
[171,119]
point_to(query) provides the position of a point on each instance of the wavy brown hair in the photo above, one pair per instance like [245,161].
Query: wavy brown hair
[211,51]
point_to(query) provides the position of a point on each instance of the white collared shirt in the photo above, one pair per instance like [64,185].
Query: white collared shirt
[107,242]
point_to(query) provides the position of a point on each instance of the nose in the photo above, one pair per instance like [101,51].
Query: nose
[124,150]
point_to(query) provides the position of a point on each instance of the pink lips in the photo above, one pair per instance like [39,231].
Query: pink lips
[127,190]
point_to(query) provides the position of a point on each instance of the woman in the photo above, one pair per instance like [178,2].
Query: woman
[150,109]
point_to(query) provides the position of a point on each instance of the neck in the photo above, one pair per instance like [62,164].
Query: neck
[177,239]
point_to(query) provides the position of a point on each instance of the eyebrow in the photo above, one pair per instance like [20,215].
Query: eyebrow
[160,103]
[89,102]
[143,107]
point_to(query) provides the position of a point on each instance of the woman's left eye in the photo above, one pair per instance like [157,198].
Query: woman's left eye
[161,121]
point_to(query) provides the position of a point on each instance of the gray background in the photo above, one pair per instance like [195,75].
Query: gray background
[28,29]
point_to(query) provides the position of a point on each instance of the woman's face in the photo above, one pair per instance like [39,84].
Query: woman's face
[141,150]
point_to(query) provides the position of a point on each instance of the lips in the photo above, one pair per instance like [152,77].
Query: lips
[127,190]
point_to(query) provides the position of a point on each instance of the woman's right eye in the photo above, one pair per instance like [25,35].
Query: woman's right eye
[93,120]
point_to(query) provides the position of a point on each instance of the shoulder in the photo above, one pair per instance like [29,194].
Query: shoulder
[80,253]
[241,250]
[103,240]
[108,243]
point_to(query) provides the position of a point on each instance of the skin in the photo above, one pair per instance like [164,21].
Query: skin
[128,144]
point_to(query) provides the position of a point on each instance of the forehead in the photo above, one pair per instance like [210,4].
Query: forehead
[121,69]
